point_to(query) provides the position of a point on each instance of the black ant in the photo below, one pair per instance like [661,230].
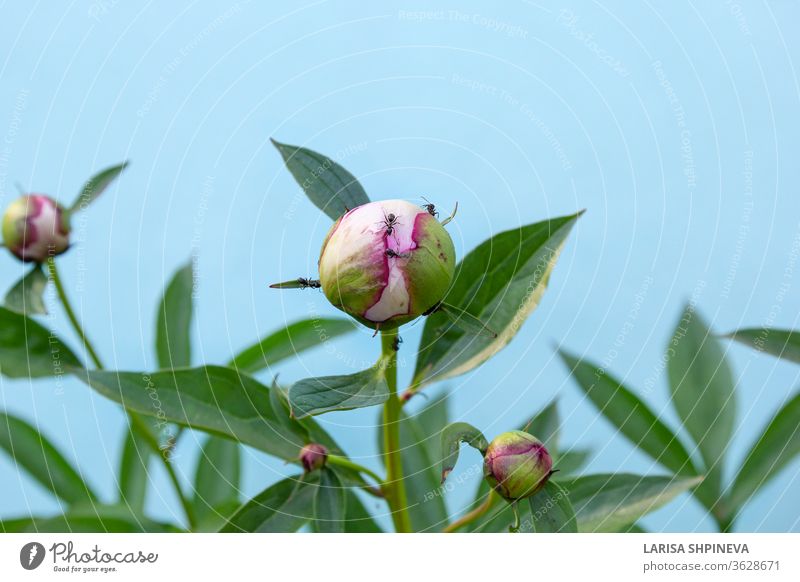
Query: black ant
[430,207]
[305,283]
[395,255]
[389,222]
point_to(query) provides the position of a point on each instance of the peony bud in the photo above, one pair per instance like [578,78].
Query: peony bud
[517,465]
[386,263]
[35,228]
[313,456]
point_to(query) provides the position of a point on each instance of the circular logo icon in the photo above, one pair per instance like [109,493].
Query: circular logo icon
[31,555]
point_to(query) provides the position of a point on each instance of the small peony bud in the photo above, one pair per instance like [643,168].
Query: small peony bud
[35,228]
[517,465]
[386,263]
[313,456]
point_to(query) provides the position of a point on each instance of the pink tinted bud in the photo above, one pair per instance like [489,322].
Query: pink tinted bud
[517,465]
[35,227]
[313,456]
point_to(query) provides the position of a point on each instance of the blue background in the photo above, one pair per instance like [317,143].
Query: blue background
[674,123]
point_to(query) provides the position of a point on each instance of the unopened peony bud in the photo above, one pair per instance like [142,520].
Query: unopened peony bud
[517,465]
[386,263]
[35,228]
[313,456]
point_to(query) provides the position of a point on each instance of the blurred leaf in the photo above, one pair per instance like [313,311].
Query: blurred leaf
[546,426]
[133,470]
[209,398]
[329,503]
[216,480]
[30,450]
[358,519]
[95,519]
[774,449]
[452,437]
[783,343]
[630,415]
[329,393]
[27,349]
[464,320]
[174,319]
[551,511]
[328,185]
[607,503]
[570,461]
[283,507]
[96,185]
[703,391]
[26,296]
[501,282]
[290,341]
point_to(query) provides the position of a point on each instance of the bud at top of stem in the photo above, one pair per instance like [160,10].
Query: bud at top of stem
[313,456]
[517,465]
[35,228]
[386,263]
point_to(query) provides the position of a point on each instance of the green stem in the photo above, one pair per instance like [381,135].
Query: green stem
[137,423]
[474,514]
[347,463]
[394,487]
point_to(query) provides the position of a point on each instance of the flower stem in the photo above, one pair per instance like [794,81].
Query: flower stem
[472,515]
[347,463]
[137,423]
[394,487]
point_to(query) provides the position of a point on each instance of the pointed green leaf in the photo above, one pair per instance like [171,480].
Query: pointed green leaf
[26,296]
[328,393]
[774,449]
[32,451]
[216,480]
[783,343]
[95,518]
[358,519]
[283,507]
[570,461]
[328,185]
[290,341]
[551,511]
[28,349]
[546,426]
[630,415]
[329,503]
[209,398]
[133,471]
[703,391]
[500,283]
[96,185]
[174,319]
[607,503]
[452,437]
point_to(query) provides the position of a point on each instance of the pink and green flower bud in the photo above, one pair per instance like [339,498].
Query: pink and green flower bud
[386,263]
[313,456]
[517,465]
[35,228]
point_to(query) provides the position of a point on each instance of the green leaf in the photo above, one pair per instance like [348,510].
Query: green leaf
[778,444]
[209,398]
[216,480]
[133,470]
[290,341]
[551,511]
[630,415]
[703,391]
[26,295]
[29,350]
[94,519]
[283,507]
[329,393]
[96,185]
[329,503]
[607,503]
[358,519]
[570,461]
[783,343]
[32,451]
[546,426]
[328,185]
[174,319]
[500,283]
[452,437]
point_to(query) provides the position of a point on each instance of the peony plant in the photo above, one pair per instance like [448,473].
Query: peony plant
[384,264]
